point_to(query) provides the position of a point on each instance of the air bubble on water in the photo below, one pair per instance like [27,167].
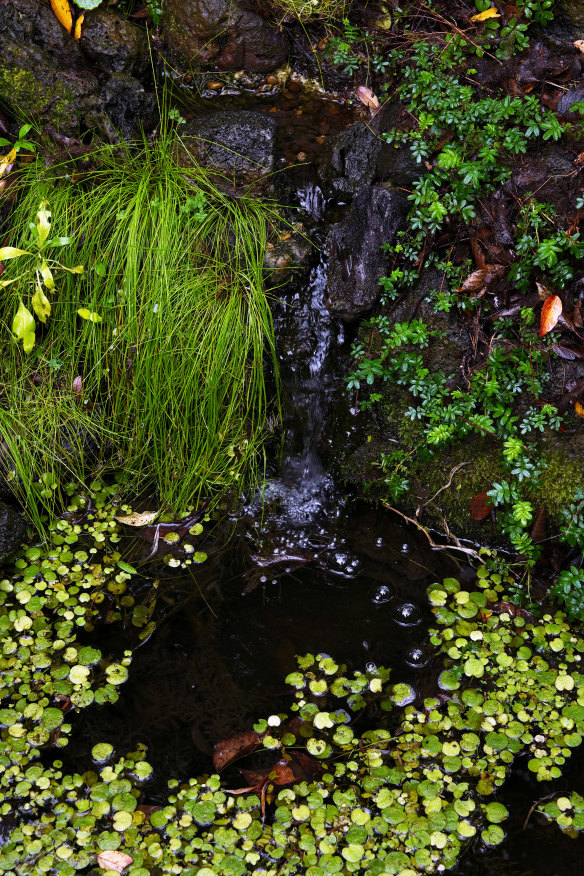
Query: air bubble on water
[407,614]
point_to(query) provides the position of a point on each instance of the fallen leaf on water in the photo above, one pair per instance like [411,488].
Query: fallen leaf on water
[137,518]
[78,23]
[367,97]
[117,861]
[579,408]
[234,747]
[487,13]
[480,506]
[550,313]
[62,10]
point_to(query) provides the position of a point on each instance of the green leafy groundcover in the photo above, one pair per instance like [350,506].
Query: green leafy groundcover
[402,797]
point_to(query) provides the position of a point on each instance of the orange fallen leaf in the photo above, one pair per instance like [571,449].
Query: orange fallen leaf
[488,13]
[550,313]
[112,860]
[579,408]
[367,97]
[78,23]
[62,10]
[480,506]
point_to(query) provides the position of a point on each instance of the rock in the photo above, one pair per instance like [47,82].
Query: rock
[573,13]
[355,260]
[12,530]
[238,144]
[220,33]
[113,43]
[349,162]
[48,77]
[123,109]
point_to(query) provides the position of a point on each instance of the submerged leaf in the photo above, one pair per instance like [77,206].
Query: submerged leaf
[550,313]
[234,747]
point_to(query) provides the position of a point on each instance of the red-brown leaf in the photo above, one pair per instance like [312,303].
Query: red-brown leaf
[228,750]
[480,506]
[550,313]
[539,528]
[78,385]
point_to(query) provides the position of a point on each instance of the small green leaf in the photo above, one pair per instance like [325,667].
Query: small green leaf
[90,315]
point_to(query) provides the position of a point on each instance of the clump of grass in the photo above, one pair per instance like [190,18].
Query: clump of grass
[169,384]
[330,11]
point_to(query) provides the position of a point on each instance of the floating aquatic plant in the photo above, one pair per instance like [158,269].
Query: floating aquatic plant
[400,792]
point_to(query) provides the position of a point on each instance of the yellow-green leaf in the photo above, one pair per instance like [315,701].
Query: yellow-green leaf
[84,313]
[28,342]
[43,222]
[23,322]
[41,304]
[78,269]
[10,252]
[47,276]
[488,13]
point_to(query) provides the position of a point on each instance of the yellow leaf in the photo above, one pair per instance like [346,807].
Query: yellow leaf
[78,269]
[6,162]
[579,408]
[10,252]
[84,313]
[43,222]
[488,13]
[62,10]
[47,276]
[41,304]
[78,23]
[28,342]
[23,323]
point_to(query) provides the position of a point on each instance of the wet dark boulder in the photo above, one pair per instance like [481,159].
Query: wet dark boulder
[355,259]
[124,108]
[12,530]
[572,14]
[239,145]
[114,44]
[349,162]
[220,33]
[49,78]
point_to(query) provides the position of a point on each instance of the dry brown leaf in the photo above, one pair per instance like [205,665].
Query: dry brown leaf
[577,315]
[367,97]
[78,23]
[62,10]
[112,860]
[543,293]
[138,518]
[539,528]
[579,408]
[487,13]
[550,313]
[480,279]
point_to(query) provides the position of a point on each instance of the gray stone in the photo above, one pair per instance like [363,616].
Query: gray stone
[349,163]
[12,530]
[220,33]
[355,260]
[113,43]
[238,144]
